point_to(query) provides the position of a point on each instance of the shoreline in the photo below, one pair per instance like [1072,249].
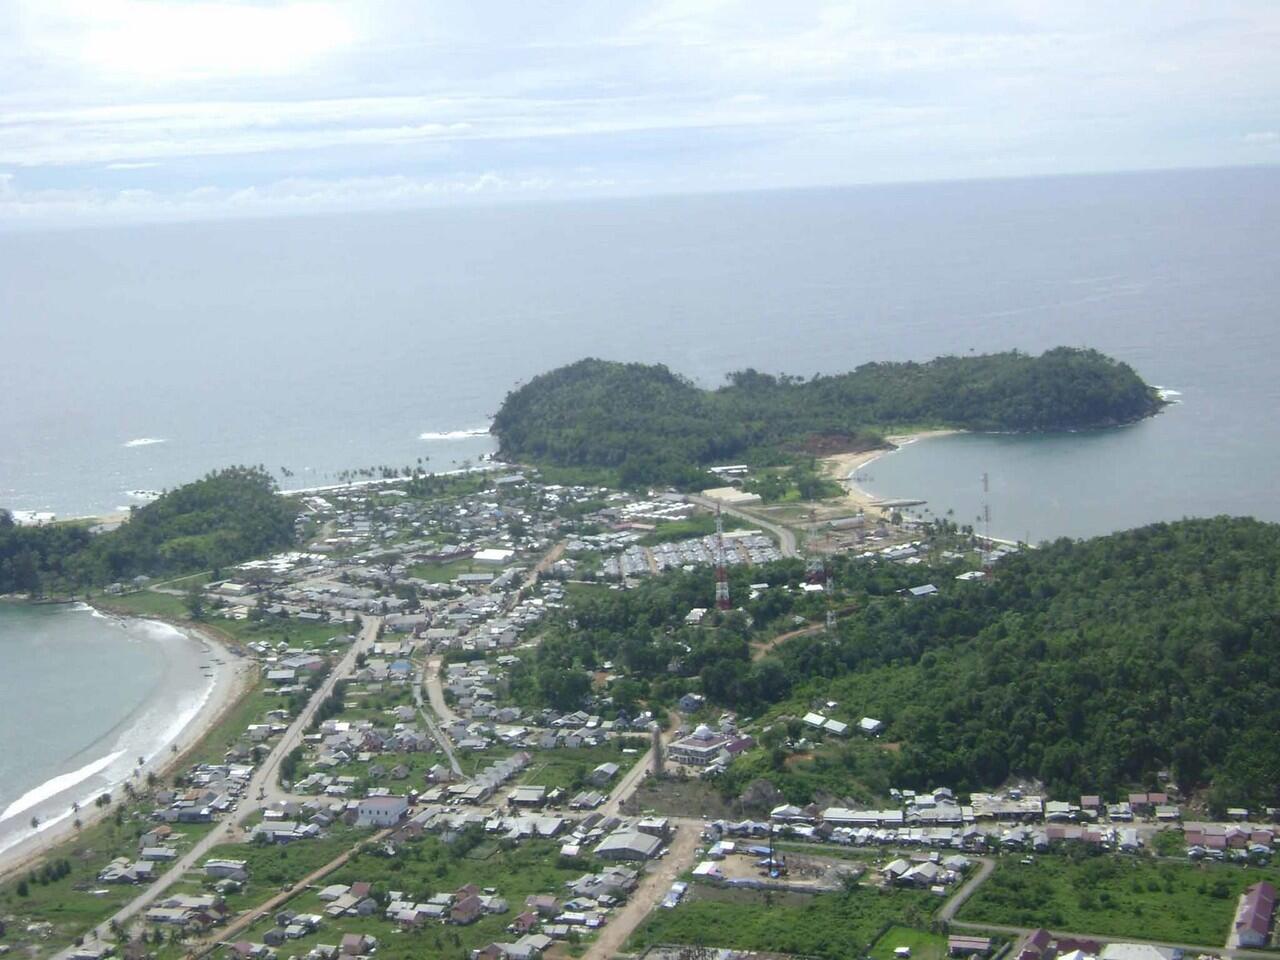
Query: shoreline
[841,467]
[231,679]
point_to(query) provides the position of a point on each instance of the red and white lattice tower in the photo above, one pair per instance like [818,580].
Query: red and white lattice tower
[722,574]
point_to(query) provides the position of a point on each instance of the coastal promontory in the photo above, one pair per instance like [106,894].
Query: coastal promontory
[652,425]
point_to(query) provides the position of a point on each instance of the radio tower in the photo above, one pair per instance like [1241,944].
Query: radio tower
[722,575]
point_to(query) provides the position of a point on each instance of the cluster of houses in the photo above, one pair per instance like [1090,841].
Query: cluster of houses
[1040,944]
[932,872]
[188,911]
[376,535]
[1219,841]
[351,945]
[741,547]
[935,819]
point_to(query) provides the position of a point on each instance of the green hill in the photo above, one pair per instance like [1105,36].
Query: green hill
[1089,665]
[651,425]
[225,517]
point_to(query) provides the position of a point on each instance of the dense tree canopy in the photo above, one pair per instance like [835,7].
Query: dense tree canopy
[1090,665]
[652,425]
[225,517]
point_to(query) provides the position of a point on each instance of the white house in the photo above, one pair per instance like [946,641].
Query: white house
[381,811]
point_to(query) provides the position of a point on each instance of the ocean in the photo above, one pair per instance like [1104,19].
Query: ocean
[138,358]
[83,697]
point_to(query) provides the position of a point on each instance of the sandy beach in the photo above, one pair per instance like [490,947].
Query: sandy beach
[230,679]
[842,466]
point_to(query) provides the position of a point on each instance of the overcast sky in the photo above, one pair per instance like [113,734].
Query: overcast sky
[139,109]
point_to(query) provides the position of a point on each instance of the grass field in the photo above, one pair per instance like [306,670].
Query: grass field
[923,945]
[445,572]
[698,525]
[147,603]
[830,925]
[1116,896]
[251,708]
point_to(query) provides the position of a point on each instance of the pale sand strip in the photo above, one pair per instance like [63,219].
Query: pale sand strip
[842,466]
[231,680]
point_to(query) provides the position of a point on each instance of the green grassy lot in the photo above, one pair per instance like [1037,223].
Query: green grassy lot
[146,603]
[271,867]
[251,708]
[445,572]
[274,630]
[834,925]
[569,768]
[428,866]
[376,701]
[77,902]
[577,589]
[923,945]
[1115,896]
[698,525]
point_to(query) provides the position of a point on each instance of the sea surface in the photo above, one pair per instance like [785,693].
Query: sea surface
[82,698]
[135,359]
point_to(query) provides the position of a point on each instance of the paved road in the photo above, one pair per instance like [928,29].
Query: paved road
[786,538]
[265,780]
[653,887]
[431,680]
[949,909]
[435,691]
[632,779]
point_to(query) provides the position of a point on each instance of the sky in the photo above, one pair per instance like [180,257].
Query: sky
[142,110]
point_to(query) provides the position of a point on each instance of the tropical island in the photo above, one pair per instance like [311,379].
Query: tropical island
[644,424]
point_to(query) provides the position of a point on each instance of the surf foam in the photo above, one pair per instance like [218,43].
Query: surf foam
[453,434]
[53,787]
[144,441]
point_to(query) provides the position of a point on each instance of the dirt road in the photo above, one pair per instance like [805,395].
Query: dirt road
[653,887]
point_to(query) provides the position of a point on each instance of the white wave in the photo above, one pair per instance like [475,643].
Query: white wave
[147,495]
[454,434]
[144,441]
[53,787]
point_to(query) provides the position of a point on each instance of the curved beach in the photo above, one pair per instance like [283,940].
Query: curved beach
[844,466]
[196,680]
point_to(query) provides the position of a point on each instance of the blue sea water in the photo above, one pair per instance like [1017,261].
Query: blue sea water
[326,343]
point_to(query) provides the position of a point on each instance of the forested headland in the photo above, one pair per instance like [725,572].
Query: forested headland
[1088,665]
[654,426]
[227,516]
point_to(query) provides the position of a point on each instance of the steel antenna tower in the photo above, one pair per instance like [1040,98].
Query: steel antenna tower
[722,574]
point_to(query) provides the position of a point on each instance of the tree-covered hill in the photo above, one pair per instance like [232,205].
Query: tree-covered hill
[652,425]
[1089,665]
[225,517]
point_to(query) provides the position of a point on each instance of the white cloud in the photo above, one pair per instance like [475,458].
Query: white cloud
[247,95]
[1264,137]
[114,39]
